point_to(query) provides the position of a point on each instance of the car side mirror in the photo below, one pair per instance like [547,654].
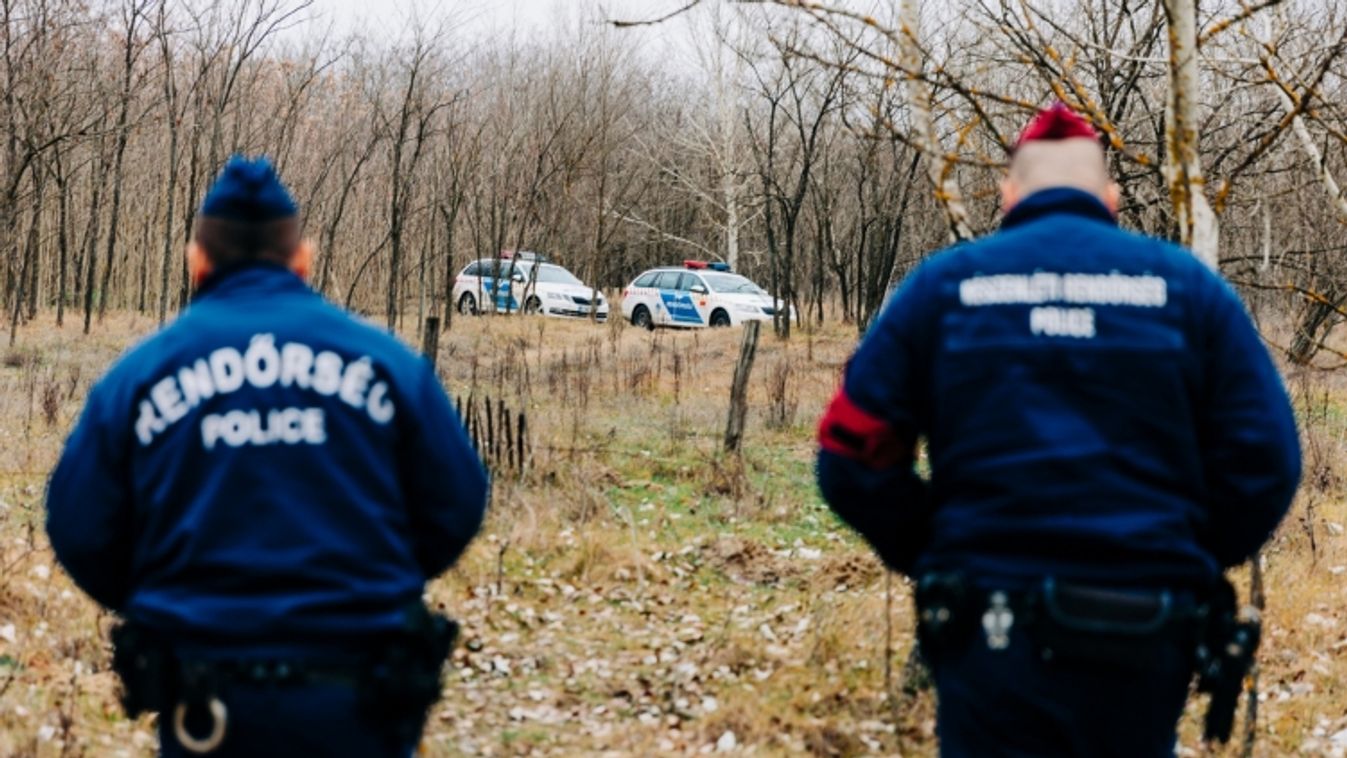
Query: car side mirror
[699,289]
[518,277]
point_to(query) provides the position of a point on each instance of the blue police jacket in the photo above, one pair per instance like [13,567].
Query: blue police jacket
[267,468]
[1096,405]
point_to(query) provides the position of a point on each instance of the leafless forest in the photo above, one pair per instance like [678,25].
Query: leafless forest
[818,149]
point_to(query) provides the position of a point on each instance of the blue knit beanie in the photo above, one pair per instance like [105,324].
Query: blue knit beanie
[248,191]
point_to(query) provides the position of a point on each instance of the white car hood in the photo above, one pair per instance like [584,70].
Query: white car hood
[749,298]
[570,290]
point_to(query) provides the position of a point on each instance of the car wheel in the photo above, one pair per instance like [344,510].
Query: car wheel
[641,317]
[533,307]
[467,305]
[720,318]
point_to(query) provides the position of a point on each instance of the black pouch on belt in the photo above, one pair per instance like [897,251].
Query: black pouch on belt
[403,680]
[147,668]
[947,614]
[1107,626]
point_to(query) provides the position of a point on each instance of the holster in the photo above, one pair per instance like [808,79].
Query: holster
[403,681]
[1225,654]
[147,668]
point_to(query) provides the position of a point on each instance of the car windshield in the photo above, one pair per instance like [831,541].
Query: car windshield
[732,283]
[557,275]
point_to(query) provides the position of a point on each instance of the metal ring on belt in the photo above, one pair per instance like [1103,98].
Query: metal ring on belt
[219,719]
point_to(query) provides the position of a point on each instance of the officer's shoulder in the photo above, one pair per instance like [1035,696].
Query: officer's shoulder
[963,256]
[138,365]
[361,335]
[1175,262]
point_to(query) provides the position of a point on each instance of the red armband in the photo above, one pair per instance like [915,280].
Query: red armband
[849,431]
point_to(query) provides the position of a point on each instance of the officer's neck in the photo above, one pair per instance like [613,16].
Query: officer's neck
[1057,200]
[234,271]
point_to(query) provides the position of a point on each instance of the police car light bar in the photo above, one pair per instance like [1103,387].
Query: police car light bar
[714,266]
[523,255]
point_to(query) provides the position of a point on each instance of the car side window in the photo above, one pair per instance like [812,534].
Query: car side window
[473,269]
[668,280]
[646,280]
[687,281]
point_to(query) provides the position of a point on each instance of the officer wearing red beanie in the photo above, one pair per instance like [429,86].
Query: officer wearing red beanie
[261,492]
[1105,433]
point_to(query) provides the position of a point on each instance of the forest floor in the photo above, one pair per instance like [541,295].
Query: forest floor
[634,591]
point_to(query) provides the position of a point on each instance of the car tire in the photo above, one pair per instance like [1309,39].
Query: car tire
[719,318]
[641,318]
[533,306]
[467,305]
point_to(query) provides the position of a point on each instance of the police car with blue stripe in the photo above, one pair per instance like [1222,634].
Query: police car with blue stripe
[698,294]
[525,281]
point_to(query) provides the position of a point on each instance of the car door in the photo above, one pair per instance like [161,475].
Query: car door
[698,293]
[664,287]
[677,298]
[498,282]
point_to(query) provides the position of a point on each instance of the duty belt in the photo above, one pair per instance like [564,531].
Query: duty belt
[397,682]
[1103,626]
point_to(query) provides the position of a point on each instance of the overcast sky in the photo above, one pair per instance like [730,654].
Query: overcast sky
[484,20]
[483,16]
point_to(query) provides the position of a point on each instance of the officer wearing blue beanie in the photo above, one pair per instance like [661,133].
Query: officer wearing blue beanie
[1105,434]
[261,492]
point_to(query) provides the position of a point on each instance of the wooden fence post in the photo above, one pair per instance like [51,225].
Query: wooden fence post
[1258,600]
[430,340]
[734,428]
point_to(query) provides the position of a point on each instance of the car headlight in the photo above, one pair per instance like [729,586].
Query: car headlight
[556,296]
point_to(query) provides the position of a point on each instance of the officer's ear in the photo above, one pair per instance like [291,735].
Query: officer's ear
[301,262]
[1112,197]
[198,263]
[1010,193]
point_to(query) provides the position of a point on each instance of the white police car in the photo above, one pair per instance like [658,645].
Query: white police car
[698,294]
[524,281]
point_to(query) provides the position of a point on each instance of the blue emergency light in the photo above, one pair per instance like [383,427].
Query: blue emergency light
[711,265]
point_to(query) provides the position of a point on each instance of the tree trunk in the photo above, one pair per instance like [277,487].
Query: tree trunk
[62,241]
[91,247]
[119,155]
[29,254]
[1198,226]
[34,262]
[938,167]
[170,234]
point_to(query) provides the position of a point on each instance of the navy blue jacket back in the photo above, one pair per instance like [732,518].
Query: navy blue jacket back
[1096,404]
[267,468]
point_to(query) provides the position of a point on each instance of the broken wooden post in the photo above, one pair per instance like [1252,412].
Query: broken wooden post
[430,340]
[734,429]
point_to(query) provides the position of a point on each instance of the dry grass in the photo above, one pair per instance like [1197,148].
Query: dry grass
[634,593]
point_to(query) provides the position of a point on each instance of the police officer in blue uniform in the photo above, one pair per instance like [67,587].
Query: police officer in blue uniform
[261,491]
[1105,434]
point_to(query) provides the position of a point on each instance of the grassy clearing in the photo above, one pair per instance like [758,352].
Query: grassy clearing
[634,593]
